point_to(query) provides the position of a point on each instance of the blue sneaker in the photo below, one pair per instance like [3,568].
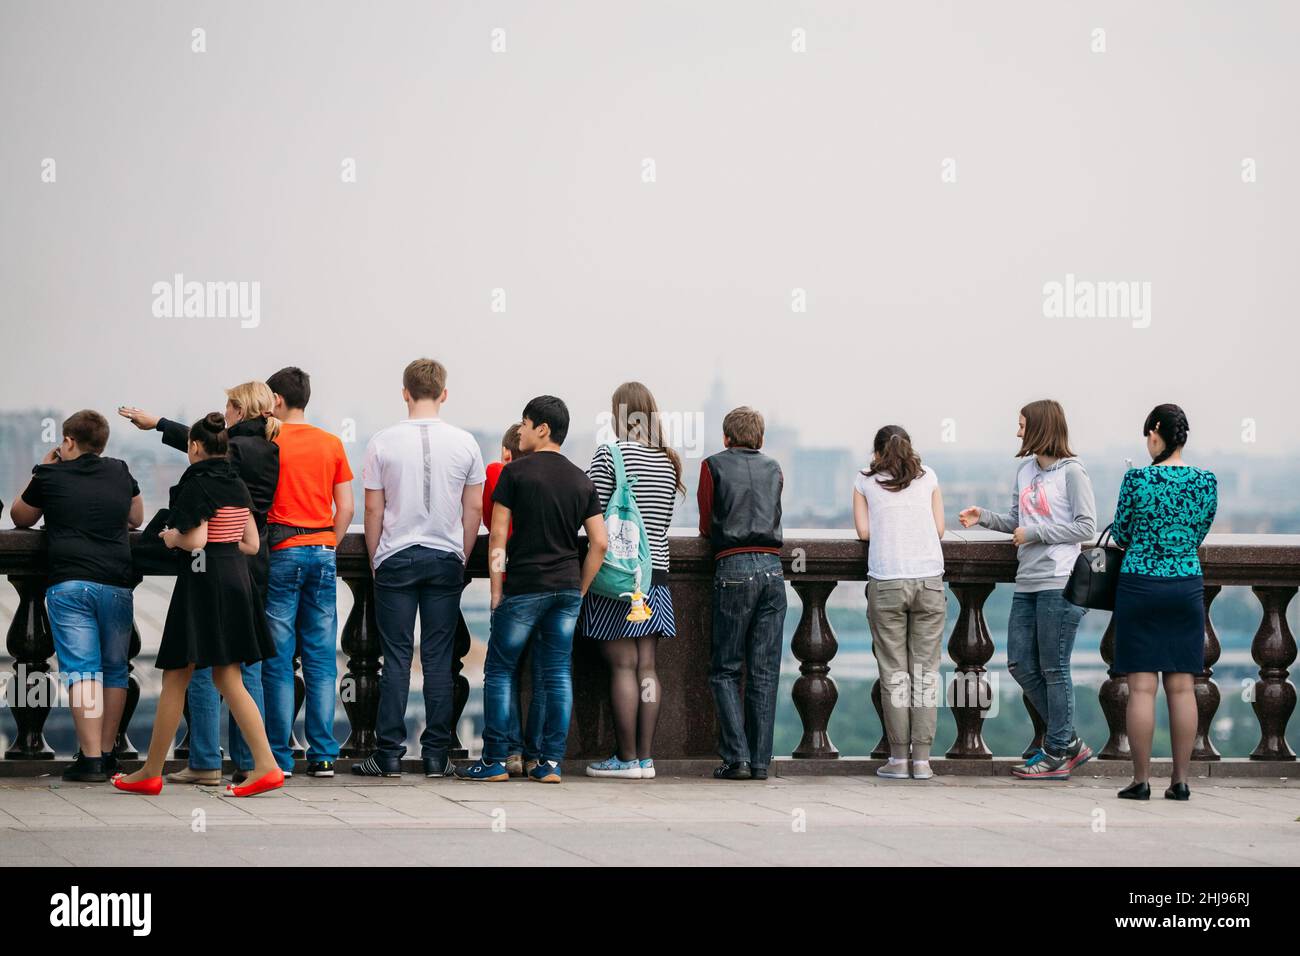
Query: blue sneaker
[613,767]
[482,769]
[546,771]
[647,769]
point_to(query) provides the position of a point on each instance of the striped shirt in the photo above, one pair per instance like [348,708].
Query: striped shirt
[227,525]
[655,490]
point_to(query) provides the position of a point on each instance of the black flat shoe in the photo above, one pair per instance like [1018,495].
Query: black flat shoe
[1178,791]
[1136,791]
[733,771]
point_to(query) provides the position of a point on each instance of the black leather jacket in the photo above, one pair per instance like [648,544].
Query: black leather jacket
[746,509]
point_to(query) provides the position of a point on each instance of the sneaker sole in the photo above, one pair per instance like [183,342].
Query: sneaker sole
[374,776]
[495,779]
[1083,757]
[647,773]
[329,773]
[1062,774]
[631,774]
[551,779]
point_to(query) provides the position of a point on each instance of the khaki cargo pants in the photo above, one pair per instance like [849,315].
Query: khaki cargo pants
[907,618]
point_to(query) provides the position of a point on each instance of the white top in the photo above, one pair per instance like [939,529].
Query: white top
[904,541]
[422,465]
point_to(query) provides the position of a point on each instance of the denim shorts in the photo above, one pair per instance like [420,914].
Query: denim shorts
[91,626]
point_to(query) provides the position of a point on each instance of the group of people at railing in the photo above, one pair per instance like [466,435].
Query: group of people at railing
[253,522]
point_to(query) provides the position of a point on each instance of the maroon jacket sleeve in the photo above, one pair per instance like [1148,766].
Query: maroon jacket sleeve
[704,497]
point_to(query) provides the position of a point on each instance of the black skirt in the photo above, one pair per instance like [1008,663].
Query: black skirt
[216,615]
[1159,625]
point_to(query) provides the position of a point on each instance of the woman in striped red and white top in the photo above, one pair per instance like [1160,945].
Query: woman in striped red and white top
[216,617]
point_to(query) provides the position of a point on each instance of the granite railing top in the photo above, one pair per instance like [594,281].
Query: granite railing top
[970,556]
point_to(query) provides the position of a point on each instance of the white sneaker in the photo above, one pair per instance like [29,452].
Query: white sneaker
[894,769]
[613,767]
[921,770]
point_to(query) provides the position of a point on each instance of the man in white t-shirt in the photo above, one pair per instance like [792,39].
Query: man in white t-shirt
[424,501]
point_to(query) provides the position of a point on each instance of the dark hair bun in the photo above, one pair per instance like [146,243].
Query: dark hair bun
[214,422]
[1170,423]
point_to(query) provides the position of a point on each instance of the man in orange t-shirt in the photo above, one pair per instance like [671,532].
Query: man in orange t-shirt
[311,512]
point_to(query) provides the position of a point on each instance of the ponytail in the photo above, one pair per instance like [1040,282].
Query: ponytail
[895,459]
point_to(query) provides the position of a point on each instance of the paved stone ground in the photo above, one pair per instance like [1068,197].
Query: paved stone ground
[670,821]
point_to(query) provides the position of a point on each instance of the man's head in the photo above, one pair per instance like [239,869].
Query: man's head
[292,389]
[84,433]
[743,428]
[545,423]
[510,444]
[424,380]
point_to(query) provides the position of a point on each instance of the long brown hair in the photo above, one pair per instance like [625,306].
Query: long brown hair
[636,418]
[1045,430]
[895,459]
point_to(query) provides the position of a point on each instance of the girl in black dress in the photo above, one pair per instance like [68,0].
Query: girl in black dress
[216,617]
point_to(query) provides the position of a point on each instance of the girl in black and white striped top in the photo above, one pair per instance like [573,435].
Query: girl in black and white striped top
[629,646]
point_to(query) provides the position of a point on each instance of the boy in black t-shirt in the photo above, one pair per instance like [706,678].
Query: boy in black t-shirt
[547,499]
[89,504]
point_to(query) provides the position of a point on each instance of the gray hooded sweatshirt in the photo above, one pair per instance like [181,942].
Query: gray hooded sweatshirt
[1056,508]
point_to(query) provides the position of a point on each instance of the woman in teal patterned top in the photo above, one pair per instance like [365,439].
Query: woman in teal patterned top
[1163,514]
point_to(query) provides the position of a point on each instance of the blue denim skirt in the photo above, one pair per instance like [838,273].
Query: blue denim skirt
[1159,625]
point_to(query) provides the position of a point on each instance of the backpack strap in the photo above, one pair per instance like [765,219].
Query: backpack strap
[620,473]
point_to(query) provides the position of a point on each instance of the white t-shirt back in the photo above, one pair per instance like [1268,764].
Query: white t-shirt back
[904,542]
[422,465]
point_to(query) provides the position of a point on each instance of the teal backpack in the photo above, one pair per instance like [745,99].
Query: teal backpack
[628,554]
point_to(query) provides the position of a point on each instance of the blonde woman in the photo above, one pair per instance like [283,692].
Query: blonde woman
[252,430]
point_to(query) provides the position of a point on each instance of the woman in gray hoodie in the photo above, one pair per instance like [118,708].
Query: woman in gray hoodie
[1052,511]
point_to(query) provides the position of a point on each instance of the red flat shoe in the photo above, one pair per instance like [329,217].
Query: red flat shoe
[149,786]
[270,781]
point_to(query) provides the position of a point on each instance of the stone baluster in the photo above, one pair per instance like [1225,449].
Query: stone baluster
[814,692]
[1206,690]
[969,694]
[459,686]
[298,749]
[122,746]
[881,750]
[1039,726]
[360,685]
[29,643]
[1274,650]
[1113,697]
[182,750]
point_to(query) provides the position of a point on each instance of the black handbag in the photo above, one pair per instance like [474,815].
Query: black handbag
[1095,576]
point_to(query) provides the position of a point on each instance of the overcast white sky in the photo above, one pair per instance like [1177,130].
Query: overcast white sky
[775,170]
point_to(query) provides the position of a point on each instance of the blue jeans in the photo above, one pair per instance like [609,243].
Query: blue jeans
[1040,640]
[301,611]
[426,581]
[91,627]
[205,719]
[749,607]
[553,615]
[527,739]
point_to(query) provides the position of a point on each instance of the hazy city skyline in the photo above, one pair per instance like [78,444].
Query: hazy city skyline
[408,169]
